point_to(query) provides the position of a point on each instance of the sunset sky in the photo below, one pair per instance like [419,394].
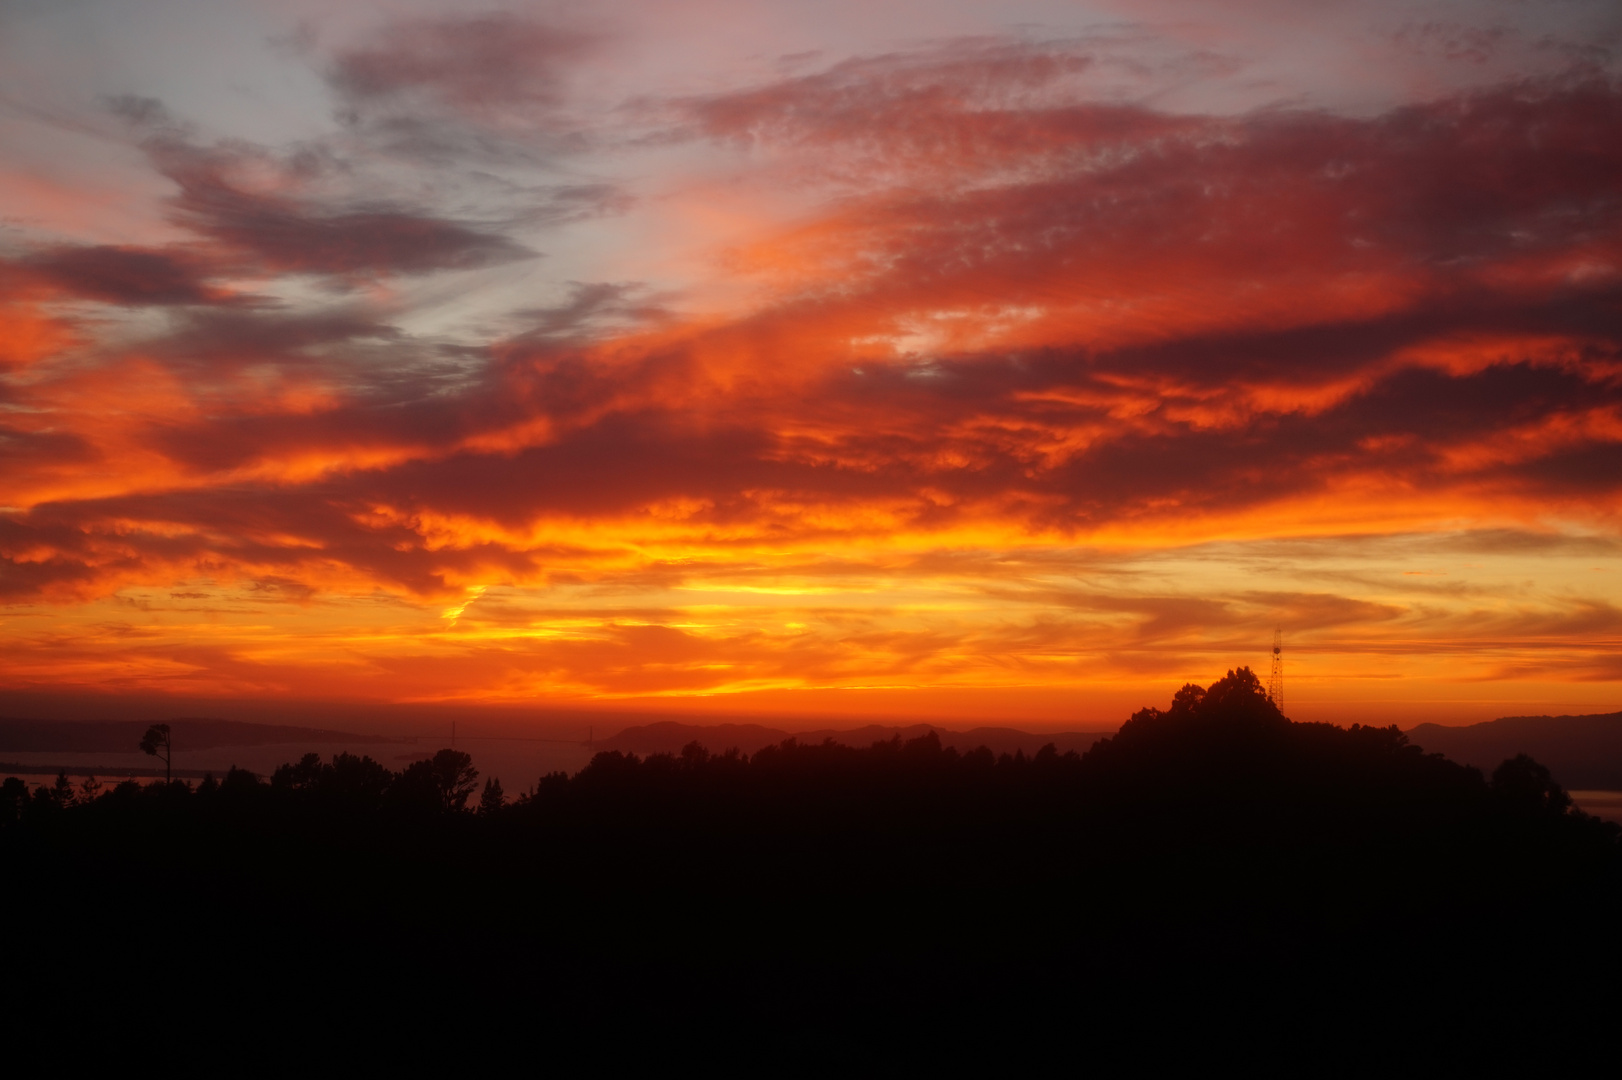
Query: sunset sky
[1005,361]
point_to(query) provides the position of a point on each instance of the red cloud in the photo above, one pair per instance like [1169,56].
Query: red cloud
[1019,323]
[280,233]
[125,275]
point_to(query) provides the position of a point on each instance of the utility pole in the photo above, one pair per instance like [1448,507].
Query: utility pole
[1275,681]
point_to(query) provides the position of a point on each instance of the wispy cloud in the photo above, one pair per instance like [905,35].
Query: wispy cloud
[988,378]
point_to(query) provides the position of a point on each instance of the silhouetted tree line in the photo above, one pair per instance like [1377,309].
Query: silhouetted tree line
[1213,836]
[1226,750]
[346,785]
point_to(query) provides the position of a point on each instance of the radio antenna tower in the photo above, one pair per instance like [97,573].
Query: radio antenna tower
[1275,681]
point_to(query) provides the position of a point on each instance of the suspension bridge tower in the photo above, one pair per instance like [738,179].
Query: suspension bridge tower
[1275,681]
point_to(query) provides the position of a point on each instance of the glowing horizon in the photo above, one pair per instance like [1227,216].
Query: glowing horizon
[721,357]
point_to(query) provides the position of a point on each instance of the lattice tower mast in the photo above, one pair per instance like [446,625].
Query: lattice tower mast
[1275,681]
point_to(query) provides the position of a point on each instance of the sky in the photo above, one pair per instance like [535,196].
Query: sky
[1014,361]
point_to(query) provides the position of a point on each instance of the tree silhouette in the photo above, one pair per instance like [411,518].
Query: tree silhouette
[492,798]
[1525,782]
[62,790]
[13,797]
[306,773]
[455,776]
[445,780]
[157,737]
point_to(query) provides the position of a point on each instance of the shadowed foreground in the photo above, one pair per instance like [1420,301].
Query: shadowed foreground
[1214,856]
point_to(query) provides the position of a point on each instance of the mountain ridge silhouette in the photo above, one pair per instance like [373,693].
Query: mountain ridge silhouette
[669,736]
[1582,751]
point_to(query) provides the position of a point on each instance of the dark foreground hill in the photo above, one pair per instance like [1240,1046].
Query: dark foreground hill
[1211,873]
[1582,752]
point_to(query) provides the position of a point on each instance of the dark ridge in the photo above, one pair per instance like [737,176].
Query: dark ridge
[190,733]
[1210,864]
[1583,752]
[668,737]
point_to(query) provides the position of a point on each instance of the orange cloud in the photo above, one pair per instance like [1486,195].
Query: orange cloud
[1036,393]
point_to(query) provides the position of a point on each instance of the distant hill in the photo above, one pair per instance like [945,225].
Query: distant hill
[1583,752]
[189,733]
[668,737]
